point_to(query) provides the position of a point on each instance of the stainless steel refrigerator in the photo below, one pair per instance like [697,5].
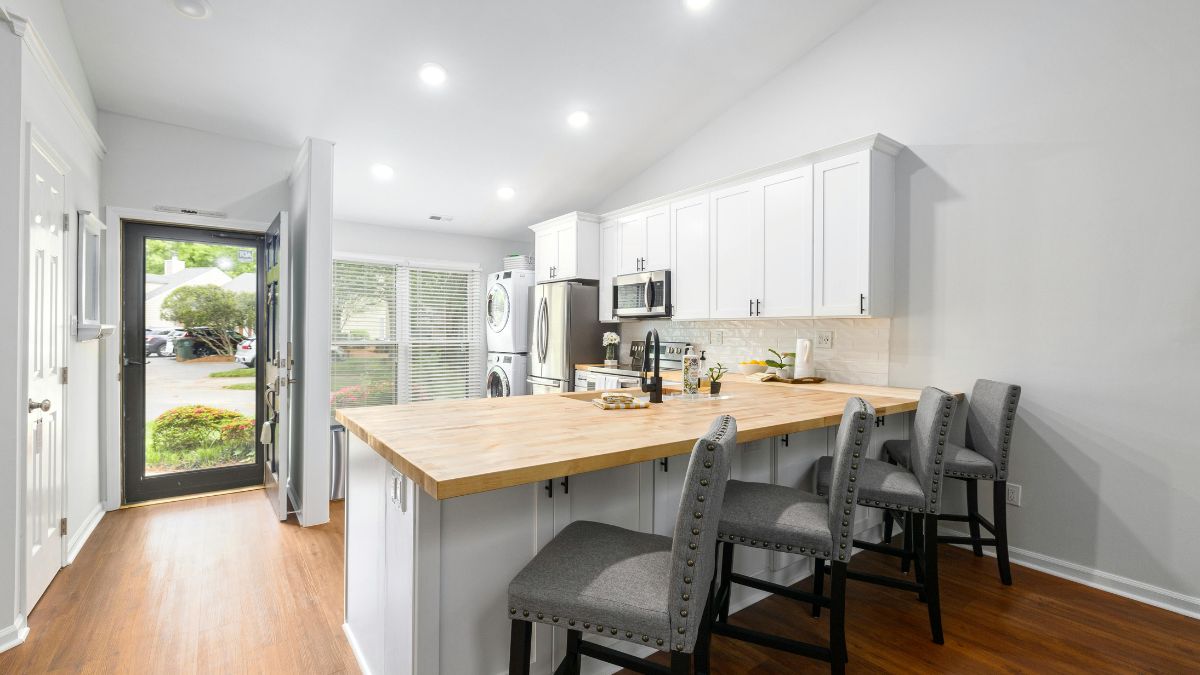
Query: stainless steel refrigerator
[566,330]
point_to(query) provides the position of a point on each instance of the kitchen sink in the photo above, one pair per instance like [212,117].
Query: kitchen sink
[587,396]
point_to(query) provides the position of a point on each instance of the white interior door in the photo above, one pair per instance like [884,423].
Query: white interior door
[47,340]
[275,355]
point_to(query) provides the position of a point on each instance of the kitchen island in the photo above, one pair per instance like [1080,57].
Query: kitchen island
[448,500]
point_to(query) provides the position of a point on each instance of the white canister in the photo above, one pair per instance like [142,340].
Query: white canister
[691,372]
[804,358]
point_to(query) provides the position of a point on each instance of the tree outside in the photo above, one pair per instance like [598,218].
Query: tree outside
[196,254]
[226,312]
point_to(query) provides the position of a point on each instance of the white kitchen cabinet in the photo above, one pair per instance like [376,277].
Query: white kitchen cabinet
[610,243]
[567,247]
[690,259]
[645,241]
[736,252]
[787,245]
[853,231]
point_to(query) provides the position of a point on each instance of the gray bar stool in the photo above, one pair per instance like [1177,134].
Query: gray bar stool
[641,588]
[990,415]
[915,492]
[762,515]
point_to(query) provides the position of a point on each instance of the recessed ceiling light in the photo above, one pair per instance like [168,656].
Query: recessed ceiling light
[697,5]
[506,193]
[194,9]
[578,119]
[382,171]
[433,74]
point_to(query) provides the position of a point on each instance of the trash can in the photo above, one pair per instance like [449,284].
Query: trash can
[183,349]
[339,446]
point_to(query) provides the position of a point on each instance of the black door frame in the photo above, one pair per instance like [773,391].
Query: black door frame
[137,486]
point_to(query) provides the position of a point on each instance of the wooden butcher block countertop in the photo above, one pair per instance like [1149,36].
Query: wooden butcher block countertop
[461,447]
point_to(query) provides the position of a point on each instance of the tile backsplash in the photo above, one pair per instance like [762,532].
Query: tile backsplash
[859,354]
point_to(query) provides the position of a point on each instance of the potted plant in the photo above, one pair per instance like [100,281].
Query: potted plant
[783,364]
[610,342]
[714,379]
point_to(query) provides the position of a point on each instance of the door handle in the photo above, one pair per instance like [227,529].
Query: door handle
[44,405]
[127,362]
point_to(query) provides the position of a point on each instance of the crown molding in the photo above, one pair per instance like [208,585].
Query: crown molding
[24,29]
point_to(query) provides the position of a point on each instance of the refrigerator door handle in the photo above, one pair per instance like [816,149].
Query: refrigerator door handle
[544,331]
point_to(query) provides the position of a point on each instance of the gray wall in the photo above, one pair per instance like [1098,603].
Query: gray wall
[1046,235]
[368,239]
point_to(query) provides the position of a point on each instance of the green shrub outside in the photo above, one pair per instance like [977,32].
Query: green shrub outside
[198,437]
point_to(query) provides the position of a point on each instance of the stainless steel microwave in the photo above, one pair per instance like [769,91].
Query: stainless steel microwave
[642,294]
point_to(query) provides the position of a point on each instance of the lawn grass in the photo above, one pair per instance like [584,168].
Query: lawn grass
[236,372]
[242,386]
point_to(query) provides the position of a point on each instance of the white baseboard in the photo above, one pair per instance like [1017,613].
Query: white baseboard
[358,655]
[13,635]
[77,540]
[1105,581]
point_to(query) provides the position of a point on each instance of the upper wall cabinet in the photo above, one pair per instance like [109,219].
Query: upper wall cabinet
[737,250]
[853,231]
[610,247]
[690,257]
[567,247]
[645,240]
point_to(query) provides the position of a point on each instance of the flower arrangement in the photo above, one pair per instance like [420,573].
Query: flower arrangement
[610,342]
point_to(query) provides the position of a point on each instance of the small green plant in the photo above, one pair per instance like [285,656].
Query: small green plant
[780,360]
[717,372]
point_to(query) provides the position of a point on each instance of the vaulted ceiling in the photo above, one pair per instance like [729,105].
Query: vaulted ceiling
[649,73]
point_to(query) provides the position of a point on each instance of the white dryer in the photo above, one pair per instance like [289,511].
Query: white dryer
[506,375]
[507,308]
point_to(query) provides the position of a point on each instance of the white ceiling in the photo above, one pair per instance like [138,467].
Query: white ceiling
[649,72]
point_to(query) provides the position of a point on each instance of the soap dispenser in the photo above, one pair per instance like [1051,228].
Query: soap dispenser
[691,372]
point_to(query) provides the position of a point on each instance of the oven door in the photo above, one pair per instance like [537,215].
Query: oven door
[642,295]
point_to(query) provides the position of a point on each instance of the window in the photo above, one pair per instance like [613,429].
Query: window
[404,333]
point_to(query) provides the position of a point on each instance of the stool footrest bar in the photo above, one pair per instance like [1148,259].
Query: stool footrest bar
[880,580]
[785,591]
[773,641]
[609,655]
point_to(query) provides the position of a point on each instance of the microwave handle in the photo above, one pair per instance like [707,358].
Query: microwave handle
[648,294]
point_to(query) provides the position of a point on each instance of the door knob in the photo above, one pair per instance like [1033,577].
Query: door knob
[44,406]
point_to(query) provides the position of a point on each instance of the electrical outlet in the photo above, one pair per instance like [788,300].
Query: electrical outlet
[715,337]
[824,339]
[1013,494]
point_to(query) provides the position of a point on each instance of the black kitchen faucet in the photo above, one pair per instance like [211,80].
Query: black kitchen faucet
[652,385]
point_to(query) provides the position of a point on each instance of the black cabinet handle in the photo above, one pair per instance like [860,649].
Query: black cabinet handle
[663,462]
[785,440]
[550,489]
[566,485]
[862,303]
[752,308]
[758,308]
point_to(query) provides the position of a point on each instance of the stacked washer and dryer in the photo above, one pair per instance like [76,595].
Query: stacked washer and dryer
[509,297]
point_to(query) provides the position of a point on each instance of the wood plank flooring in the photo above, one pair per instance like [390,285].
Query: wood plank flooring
[194,587]
[209,585]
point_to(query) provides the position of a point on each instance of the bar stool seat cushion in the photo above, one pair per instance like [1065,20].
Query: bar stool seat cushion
[774,516]
[601,579]
[878,484]
[960,462]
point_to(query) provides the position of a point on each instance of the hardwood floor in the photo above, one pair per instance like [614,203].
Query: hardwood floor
[214,585]
[1040,624]
[210,585]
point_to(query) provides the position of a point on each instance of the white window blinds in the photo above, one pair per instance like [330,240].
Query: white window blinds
[404,333]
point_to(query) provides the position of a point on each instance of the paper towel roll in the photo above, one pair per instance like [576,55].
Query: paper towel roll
[804,358]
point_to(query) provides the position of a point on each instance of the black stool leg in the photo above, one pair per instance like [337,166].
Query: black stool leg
[1000,513]
[887,526]
[818,585]
[704,638]
[725,588]
[518,647]
[931,577]
[837,617]
[573,661]
[906,559]
[973,516]
[681,663]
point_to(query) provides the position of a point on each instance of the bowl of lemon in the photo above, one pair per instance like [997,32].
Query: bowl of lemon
[751,367]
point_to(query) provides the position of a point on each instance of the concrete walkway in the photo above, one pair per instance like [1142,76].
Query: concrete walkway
[171,383]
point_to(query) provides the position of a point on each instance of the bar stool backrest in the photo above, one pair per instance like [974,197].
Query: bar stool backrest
[990,415]
[853,439]
[694,546]
[935,412]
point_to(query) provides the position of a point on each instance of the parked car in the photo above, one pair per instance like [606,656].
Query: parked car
[159,342]
[246,351]
[207,341]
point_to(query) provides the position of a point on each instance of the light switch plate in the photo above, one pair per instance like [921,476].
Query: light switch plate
[824,339]
[715,337]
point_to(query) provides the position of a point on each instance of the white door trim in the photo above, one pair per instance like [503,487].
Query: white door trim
[110,399]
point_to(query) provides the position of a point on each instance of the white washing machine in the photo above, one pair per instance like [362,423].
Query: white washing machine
[507,308]
[506,375]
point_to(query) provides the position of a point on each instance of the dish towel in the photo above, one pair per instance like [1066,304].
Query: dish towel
[619,402]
